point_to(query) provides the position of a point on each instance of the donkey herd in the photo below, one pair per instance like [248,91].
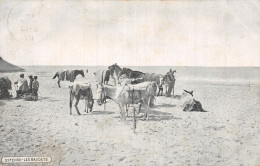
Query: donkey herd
[130,88]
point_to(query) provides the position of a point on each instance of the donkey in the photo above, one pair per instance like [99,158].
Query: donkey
[68,75]
[127,94]
[115,69]
[81,91]
[5,86]
[189,104]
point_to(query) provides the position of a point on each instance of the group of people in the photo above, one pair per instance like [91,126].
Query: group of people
[23,88]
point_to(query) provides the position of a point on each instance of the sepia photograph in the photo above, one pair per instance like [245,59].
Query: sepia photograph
[129,82]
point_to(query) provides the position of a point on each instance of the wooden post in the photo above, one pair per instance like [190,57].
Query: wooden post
[134,119]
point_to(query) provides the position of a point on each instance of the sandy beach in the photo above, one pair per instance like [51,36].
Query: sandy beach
[227,134]
[208,48]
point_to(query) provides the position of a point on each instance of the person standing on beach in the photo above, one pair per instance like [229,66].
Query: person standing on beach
[171,83]
[35,88]
[22,86]
[160,86]
[30,83]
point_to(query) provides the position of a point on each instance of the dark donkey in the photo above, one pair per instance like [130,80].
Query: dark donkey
[132,74]
[115,69]
[5,86]
[68,75]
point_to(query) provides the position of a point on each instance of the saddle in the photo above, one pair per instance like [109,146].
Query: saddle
[76,86]
[67,75]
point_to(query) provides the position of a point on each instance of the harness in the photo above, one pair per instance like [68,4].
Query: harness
[131,94]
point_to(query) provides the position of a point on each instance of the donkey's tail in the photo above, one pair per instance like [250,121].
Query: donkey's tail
[56,75]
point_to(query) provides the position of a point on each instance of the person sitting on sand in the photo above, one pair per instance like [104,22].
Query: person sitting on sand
[30,83]
[22,86]
[160,86]
[35,88]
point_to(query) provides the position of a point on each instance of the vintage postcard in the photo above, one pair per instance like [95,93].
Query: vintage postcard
[132,82]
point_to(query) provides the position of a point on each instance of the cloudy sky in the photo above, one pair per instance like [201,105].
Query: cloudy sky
[190,33]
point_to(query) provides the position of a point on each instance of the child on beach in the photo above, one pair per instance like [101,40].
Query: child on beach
[160,86]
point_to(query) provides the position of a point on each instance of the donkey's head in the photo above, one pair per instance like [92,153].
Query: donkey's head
[189,92]
[82,73]
[90,104]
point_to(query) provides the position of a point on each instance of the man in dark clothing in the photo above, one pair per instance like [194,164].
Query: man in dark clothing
[30,83]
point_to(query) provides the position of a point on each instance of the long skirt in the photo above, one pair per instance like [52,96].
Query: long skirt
[170,88]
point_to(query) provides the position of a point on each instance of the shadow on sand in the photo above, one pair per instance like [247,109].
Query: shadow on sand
[164,106]
[159,115]
[101,113]
[177,97]
[160,118]
[2,103]
[154,116]
[197,111]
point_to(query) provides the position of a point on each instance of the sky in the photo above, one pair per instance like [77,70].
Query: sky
[130,33]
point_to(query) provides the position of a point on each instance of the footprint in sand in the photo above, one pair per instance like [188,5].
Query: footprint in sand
[21,149]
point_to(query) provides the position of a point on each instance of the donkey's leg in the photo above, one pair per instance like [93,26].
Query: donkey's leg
[87,105]
[173,88]
[121,111]
[71,101]
[76,104]
[126,108]
[146,104]
[146,114]
[59,83]
[86,110]
[139,108]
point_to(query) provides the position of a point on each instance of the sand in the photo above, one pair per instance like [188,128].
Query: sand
[227,134]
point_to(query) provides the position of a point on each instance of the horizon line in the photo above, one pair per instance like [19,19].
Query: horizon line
[142,66]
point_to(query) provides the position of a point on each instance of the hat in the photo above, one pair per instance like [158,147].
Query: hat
[30,76]
[35,77]
[21,75]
